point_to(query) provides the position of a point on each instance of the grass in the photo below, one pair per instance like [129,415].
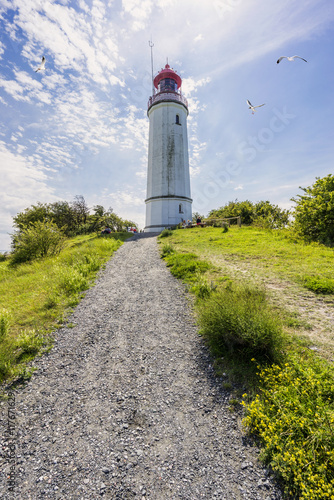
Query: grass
[289,403]
[277,253]
[36,297]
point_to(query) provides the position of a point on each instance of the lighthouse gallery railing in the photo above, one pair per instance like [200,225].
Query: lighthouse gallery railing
[167,96]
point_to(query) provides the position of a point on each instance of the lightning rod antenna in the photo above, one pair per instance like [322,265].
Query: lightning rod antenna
[151,44]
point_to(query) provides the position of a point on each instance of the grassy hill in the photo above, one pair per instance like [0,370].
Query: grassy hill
[297,276]
[264,304]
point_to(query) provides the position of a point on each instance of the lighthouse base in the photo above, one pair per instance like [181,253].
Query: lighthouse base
[166,212]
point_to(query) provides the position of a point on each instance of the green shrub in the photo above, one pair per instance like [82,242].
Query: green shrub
[166,232]
[319,284]
[38,239]
[314,211]
[293,416]
[3,256]
[238,320]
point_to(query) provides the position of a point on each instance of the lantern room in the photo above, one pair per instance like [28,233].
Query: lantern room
[167,80]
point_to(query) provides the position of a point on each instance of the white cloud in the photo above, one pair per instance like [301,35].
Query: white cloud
[90,102]
[14,89]
[140,11]
[198,38]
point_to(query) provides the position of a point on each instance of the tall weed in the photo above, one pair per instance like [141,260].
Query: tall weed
[28,344]
[89,264]
[166,250]
[71,281]
[5,320]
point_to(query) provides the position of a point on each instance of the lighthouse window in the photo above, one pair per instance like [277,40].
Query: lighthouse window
[177,120]
[168,84]
[180,209]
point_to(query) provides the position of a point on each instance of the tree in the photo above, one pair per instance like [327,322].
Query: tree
[314,211]
[63,215]
[39,212]
[67,216]
[80,208]
[99,210]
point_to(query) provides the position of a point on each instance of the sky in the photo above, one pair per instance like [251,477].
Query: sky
[80,127]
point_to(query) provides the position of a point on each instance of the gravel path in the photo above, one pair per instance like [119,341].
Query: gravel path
[126,404]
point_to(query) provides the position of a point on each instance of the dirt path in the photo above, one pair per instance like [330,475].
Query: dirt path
[126,404]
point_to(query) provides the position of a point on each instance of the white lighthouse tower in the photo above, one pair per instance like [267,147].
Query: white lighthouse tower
[168,200]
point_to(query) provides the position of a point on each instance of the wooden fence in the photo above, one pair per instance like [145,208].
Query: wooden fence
[226,220]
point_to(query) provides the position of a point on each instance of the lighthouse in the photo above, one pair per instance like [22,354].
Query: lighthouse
[168,200]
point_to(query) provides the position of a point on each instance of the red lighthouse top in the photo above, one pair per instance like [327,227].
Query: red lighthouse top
[167,73]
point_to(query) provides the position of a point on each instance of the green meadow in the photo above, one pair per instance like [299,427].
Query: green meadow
[269,253]
[263,300]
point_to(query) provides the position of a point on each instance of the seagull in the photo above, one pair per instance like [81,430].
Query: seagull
[253,107]
[42,65]
[291,58]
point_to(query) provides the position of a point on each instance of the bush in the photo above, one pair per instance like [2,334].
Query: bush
[38,239]
[293,416]
[238,320]
[314,211]
[262,213]
[166,232]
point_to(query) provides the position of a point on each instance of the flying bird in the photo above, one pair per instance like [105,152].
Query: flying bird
[291,58]
[41,66]
[250,106]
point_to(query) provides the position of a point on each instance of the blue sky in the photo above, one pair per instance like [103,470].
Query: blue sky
[80,127]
